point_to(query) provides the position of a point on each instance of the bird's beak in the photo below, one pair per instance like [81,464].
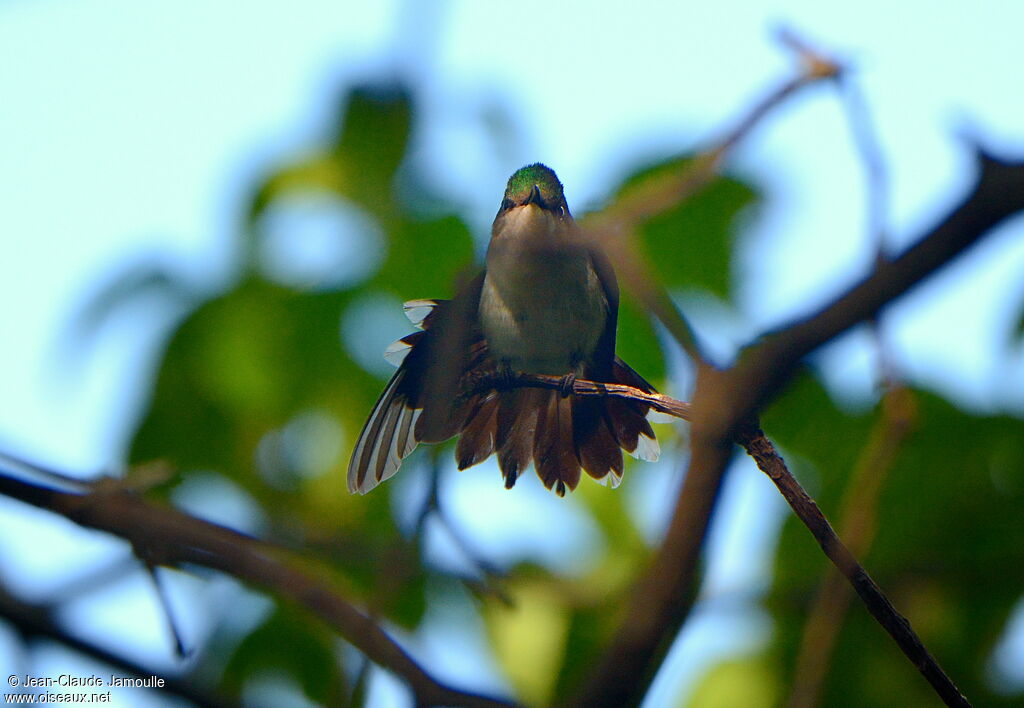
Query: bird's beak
[535,197]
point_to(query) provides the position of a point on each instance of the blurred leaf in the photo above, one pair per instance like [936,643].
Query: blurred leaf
[691,245]
[360,164]
[425,257]
[947,550]
[241,365]
[375,133]
[529,639]
[745,682]
[636,342]
[289,644]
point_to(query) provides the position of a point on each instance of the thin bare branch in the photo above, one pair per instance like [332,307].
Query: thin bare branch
[868,146]
[769,461]
[664,596]
[614,228]
[580,387]
[38,621]
[860,498]
[655,196]
[171,537]
[164,598]
[490,574]
[857,518]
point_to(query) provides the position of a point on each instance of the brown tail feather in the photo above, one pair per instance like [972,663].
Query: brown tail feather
[477,441]
[562,436]
[517,425]
[595,442]
[554,449]
[629,418]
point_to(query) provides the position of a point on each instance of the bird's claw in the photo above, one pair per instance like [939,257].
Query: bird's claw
[566,384]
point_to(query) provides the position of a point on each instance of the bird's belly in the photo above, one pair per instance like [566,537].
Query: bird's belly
[543,314]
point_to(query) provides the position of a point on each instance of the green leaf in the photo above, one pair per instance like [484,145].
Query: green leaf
[529,638]
[288,643]
[360,164]
[636,342]
[425,259]
[691,245]
[747,682]
[947,548]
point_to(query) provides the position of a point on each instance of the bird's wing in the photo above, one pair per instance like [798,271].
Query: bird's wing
[387,437]
[419,403]
[604,354]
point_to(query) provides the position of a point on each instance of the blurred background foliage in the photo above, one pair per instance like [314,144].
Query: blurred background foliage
[267,383]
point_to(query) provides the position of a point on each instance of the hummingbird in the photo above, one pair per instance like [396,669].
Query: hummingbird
[546,303]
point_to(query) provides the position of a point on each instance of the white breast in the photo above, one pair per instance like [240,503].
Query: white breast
[542,307]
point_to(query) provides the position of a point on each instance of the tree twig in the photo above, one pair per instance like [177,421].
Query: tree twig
[665,594]
[580,387]
[490,575]
[36,621]
[860,498]
[769,462]
[614,228]
[172,537]
[857,519]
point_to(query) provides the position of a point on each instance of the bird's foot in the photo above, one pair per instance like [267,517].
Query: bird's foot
[567,383]
[506,376]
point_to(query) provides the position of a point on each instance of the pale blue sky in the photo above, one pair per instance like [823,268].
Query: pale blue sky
[133,128]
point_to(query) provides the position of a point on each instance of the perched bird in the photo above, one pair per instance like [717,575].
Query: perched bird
[547,303]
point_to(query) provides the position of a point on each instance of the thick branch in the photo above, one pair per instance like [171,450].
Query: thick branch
[724,400]
[167,536]
[768,461]
[665,594]
[997,195]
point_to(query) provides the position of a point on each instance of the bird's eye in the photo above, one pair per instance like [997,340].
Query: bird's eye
[561,211]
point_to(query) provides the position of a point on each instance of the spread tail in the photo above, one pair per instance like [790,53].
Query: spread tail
[562,436]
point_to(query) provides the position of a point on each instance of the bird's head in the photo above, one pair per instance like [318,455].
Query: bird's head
[535,185]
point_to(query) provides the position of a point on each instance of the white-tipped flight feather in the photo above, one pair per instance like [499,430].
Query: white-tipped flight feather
[417,310]
[396,352]
[387,437]
[654,416]
[647,449]
[611,480]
